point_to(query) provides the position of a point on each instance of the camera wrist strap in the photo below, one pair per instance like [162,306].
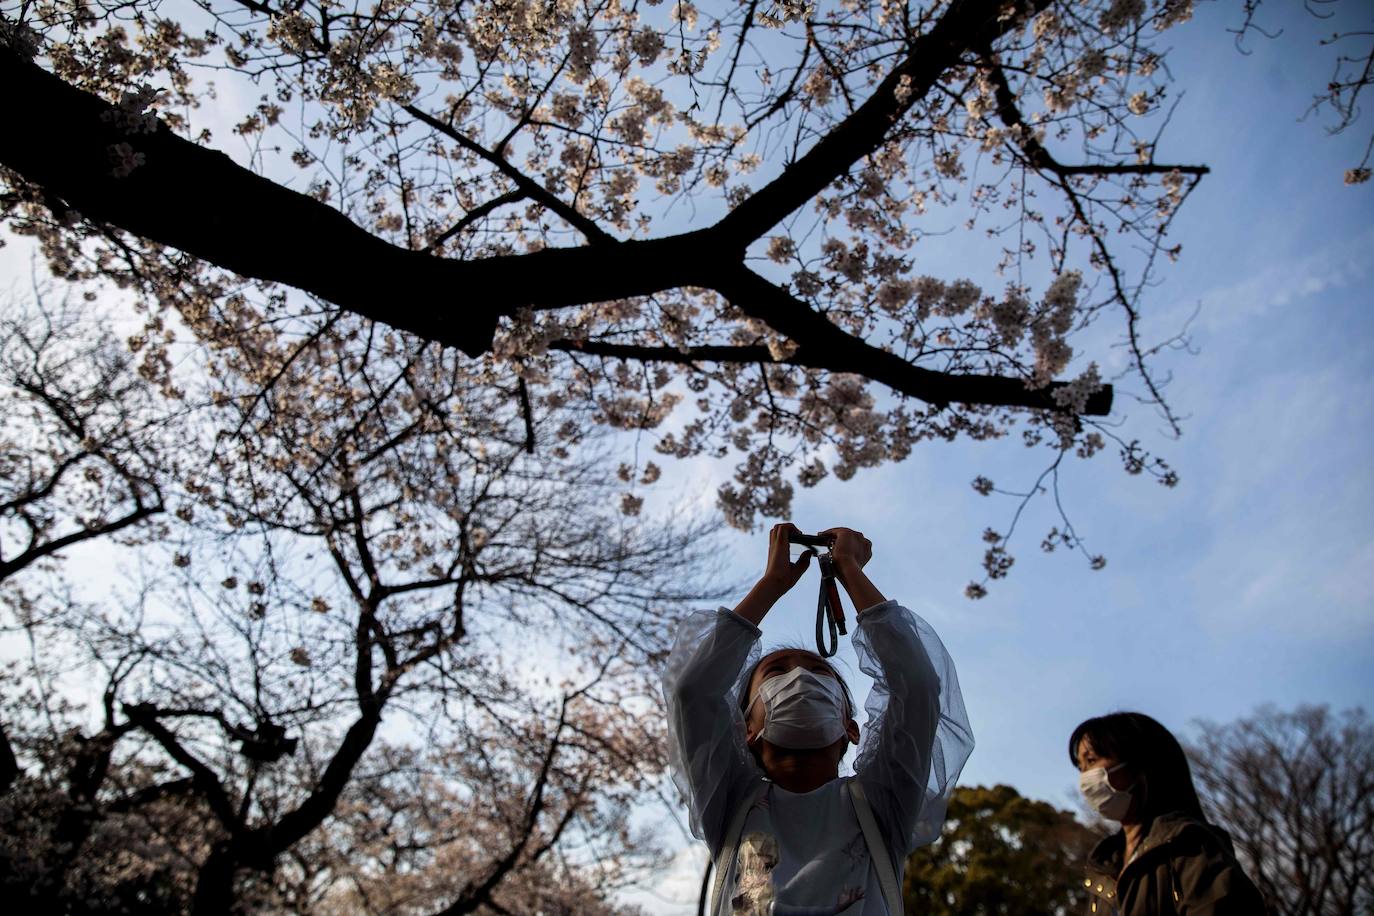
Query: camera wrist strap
[828,609]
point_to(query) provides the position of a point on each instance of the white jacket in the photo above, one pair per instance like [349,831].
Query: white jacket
[911,750]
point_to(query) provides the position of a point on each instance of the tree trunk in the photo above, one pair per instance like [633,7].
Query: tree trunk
[215,882]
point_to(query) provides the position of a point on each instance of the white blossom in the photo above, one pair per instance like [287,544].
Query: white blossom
[842,260]
[806,283]
[129,115]
[20,38]
[902,91]
[781,12]
[293,31]
[1060,96]
[1062,294]
[1074,396]
[1010,315]
[1172,12]
[647,44]
[1121,14]
[817,86]
[582,53]
[781,348]
[811,473]
[948,164]
[566,109]
[685,13]
[1046,25]
[894,295]
[1092,63]
[781,249]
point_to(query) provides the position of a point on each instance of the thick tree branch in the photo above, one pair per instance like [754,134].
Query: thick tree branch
[966,24]
[893,371]
[824,345]
[206,782]
[313,247]
[1040,158]
[321,801]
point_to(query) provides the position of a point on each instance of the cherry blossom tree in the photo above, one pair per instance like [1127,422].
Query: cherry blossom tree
[355,540]
[709,214]
[84,442]
[511,179]
[82,435]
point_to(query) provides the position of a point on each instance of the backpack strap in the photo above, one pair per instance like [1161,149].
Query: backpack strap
[877,849]
[729,848]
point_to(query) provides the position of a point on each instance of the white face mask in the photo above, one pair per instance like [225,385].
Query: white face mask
[1111,803]
[802,710]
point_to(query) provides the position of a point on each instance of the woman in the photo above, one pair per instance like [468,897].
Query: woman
[1166,860]
[756,748]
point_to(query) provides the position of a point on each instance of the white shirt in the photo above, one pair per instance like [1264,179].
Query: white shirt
[803,854]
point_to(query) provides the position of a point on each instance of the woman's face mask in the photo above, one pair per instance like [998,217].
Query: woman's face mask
[1110,802]
[802,710]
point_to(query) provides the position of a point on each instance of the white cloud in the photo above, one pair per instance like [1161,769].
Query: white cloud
[1286,281]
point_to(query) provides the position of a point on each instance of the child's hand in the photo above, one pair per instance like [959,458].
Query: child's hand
[782,571]
[852,550]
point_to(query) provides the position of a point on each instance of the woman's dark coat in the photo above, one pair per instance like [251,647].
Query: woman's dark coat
[1183,867]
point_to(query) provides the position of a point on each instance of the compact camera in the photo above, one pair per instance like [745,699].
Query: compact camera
[801,542]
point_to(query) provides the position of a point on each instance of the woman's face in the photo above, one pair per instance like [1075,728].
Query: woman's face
[1089,759]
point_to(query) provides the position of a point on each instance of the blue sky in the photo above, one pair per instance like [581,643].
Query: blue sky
[1253,581]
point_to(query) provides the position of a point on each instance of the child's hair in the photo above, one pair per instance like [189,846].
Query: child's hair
[749,678]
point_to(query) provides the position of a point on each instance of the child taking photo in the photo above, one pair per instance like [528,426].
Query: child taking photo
[756,745]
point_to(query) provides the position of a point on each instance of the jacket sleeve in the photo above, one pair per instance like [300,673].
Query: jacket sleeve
[917,737]
[1209,881]
[710,761]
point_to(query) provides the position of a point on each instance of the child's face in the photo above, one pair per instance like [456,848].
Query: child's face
[774,665]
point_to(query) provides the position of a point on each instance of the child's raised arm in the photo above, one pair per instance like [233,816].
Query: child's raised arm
[711,763]
[779,575]
[918,735]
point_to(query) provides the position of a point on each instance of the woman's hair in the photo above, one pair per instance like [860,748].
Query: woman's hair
[1150,750]
[749,678]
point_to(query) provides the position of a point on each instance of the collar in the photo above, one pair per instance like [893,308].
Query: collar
[1105,859]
